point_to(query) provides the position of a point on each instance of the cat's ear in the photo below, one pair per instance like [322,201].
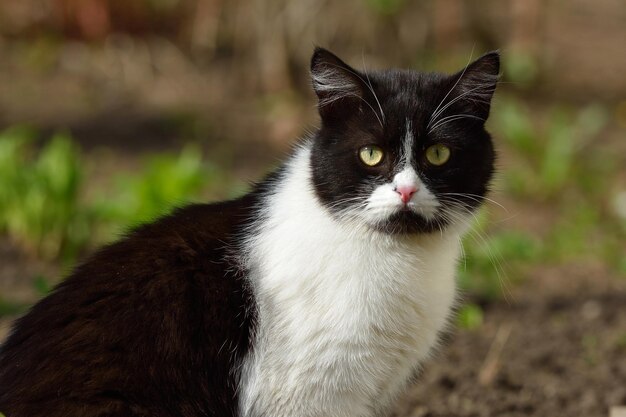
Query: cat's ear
[339,87]
[476,84]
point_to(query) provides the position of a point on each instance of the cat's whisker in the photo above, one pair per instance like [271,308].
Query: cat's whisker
[481,240]
[369,84]
[463,254]
[477,198]
[344,201]
[459,97]
[490,87]
[452,118]
[470,95]
[451,89]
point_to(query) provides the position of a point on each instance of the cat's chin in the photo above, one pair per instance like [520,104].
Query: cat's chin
[410,222]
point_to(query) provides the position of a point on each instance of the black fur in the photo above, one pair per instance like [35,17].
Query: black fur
[158,323]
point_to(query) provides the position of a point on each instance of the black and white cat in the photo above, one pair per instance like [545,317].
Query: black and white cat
[319,293]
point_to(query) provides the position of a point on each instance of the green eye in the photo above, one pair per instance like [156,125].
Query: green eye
[371,155]
[438,154]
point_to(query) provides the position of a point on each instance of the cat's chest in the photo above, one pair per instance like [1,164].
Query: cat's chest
[309,269]
[343,286]
[340,310]
[353,307]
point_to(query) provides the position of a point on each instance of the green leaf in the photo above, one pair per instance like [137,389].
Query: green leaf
[42,286]
[470,317]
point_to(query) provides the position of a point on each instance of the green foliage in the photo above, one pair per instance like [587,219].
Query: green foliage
[39,192]
[167,181]
[521,68]
[42,285]
[42,203]
[557,161]
[11,308]
[470,317]
[552,154]
[484,271]
[552,161]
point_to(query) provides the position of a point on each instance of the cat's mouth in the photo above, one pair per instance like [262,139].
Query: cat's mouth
[408,219]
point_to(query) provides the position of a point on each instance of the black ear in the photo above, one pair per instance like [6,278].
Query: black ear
[476,84]
[339,87]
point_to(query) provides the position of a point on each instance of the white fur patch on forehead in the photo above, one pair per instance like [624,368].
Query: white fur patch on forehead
[407,148]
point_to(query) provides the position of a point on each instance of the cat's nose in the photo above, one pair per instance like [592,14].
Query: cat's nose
[406,192]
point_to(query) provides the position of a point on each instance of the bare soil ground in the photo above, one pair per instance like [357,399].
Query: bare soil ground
[545,354]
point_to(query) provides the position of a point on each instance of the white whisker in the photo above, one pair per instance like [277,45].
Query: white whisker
[451,89]
[452,118]
[457,98]
[369,84]
[478,198]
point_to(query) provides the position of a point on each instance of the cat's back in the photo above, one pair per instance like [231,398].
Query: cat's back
[154,324]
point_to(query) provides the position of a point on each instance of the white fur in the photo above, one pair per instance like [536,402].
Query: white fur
[407,152]
[385,201]
[345,313]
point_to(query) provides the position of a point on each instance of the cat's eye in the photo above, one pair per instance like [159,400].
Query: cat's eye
[438,154]
[371,155]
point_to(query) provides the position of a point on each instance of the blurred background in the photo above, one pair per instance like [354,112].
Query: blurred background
[114,111]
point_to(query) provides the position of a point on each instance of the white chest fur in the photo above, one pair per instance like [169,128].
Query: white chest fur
[345,315]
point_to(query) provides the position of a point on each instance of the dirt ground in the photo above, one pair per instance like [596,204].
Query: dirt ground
[542,354]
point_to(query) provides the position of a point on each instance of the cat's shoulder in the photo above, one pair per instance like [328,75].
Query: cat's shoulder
[190,234]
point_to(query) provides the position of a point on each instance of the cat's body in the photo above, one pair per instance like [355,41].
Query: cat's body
[317,294]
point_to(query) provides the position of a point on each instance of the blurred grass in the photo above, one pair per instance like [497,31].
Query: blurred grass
[164,182]
[42,204]
[470,317]
[39,192]
[554,164]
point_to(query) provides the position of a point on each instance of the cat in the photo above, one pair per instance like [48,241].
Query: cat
[318,293]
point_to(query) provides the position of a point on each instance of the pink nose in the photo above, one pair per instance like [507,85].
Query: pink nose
[406,192]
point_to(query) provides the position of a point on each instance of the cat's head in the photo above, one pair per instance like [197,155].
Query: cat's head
[402,151]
